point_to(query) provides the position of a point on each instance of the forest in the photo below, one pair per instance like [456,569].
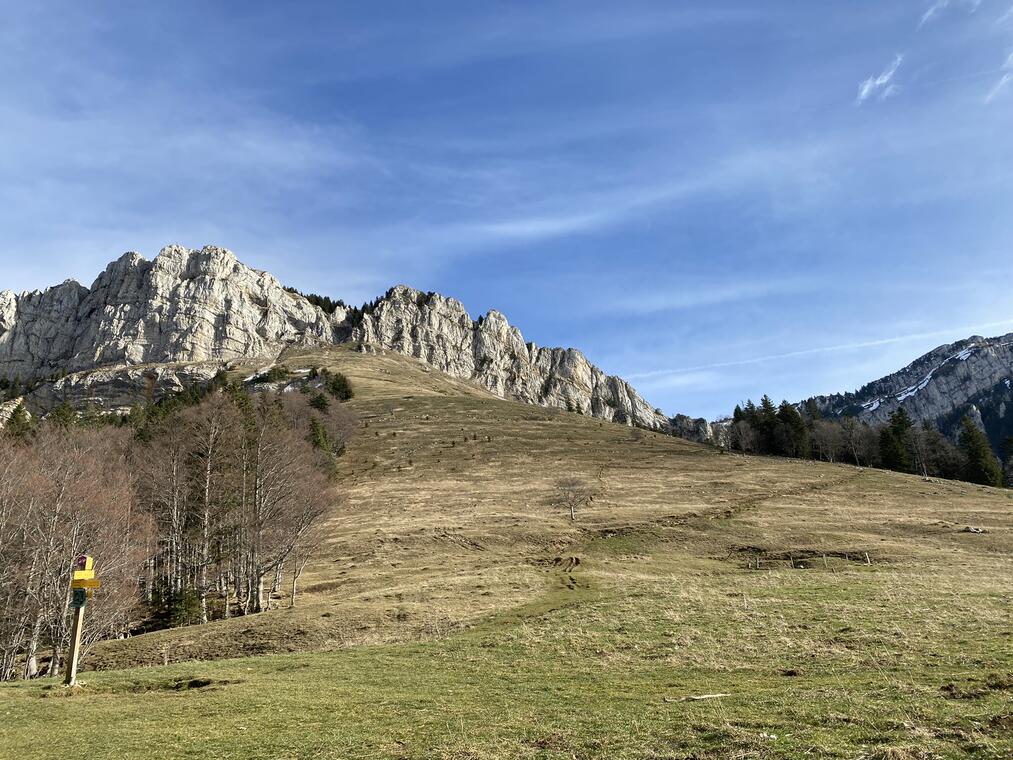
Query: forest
[196,507]
[900,444]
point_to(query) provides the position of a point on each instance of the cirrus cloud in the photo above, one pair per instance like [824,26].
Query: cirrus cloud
[881,86]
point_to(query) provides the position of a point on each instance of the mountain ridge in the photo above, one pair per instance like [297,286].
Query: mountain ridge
[205,309]
[971,377]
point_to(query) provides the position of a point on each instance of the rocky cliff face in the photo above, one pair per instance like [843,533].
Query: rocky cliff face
[197,310]
[971,376]
[440,332]
[184,306]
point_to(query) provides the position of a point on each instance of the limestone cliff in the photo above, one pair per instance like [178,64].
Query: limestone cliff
[184,306]
[489,350]
[146,327]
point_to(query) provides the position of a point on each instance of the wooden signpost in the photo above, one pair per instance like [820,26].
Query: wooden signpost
[82,585]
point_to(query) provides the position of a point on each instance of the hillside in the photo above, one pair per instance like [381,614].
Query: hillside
[456,612]
[969,377]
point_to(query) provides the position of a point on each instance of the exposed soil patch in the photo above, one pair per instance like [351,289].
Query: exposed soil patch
[975,689]
[195,683]
[759,558]
[555,741]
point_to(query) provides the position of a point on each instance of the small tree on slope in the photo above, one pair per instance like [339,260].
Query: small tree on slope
[572,494]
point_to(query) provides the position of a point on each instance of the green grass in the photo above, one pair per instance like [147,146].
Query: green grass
[447,616]
[850,661]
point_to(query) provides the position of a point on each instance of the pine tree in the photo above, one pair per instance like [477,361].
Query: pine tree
[20,424]
[1007,452]
[63,415]
[339,387]
[894,442]
[791,432]
[812,410]
[750,413]
[318,435]
[766,425]
[319,402]
[1007,447]
[980,464]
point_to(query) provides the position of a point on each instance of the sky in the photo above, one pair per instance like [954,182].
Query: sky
[715,200]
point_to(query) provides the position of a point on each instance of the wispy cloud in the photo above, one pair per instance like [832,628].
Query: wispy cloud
[953,331]
[1007,77]
[694,295]
[939,7]
[1007,16]
[881,86]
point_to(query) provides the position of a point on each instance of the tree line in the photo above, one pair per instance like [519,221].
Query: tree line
[899,444]
[195,508]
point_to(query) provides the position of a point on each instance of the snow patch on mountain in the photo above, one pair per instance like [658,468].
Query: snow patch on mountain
[910,391]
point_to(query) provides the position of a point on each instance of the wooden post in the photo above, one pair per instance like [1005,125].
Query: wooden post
[75,647]
[82,582]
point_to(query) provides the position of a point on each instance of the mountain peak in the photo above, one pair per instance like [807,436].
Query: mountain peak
[203,306]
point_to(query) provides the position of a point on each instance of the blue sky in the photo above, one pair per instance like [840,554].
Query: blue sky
[714,199]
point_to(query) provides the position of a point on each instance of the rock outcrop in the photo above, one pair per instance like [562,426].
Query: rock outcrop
[489,350]
[146,327]
[117,389]
[697,429]
[184,306]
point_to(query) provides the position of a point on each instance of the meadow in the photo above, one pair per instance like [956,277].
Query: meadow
[703,605]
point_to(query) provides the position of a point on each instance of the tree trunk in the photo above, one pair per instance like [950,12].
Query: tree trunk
[276,586]
[259,595]
[31,660]
[223,591]
[297,568]
[54,662]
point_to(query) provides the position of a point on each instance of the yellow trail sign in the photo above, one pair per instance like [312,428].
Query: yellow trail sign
[82,582]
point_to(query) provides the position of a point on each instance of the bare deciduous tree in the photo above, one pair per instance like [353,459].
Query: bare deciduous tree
[213,498]
[744,437]
[827,440]
[573,493]
[63,495]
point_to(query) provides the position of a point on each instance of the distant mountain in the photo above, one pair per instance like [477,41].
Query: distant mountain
[149,327]
[970,377]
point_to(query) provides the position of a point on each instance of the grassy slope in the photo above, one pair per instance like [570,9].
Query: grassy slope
[445,616]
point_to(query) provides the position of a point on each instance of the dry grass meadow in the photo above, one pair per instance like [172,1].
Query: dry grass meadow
[454,610]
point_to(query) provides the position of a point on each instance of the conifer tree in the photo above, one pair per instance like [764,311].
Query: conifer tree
[894,443]
[980,464]
[63,415]
[339,387]
[20,424]
[766,425]
[318,435]
[791,433]
[749,413]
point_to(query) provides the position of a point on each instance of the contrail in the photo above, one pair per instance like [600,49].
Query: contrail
[820,350]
